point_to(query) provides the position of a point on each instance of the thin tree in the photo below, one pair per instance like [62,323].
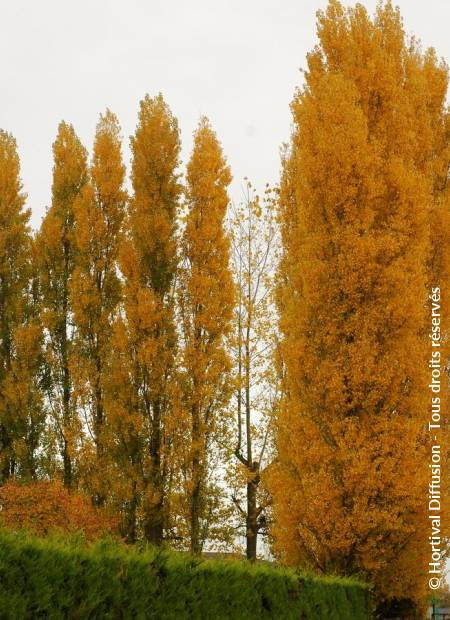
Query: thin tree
[254,255]
[95,293]
[145,335]
[206,300]
[55,256]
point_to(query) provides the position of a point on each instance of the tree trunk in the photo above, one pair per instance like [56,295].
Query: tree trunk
[252,516]
[154,518]
[129,529]
[7,467]
[195,513]
[67,460]
[99,498]
[5,445]
[196,484]
[67,465]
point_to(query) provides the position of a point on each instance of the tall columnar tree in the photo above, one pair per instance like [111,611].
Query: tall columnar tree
[56,252]
[207,297]
[95,292]
[362,180]
[146,340]
[21,411]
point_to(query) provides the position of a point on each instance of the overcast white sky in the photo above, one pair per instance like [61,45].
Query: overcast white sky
[236,61]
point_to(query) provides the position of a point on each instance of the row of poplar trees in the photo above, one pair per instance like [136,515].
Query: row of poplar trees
[116,321]
[117,318]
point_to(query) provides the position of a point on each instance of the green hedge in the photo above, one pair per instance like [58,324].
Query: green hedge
[51,578]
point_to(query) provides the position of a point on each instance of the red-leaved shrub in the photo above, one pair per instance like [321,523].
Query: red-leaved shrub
[44,506]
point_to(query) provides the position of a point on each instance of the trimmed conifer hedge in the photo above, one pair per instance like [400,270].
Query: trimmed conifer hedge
[56,579]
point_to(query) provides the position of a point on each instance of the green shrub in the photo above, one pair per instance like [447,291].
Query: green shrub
[57,579]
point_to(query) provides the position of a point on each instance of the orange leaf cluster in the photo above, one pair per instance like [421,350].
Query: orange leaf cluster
[47,506]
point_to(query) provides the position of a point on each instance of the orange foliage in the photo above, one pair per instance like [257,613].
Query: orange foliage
[55,258]
[206,299]
[46,506]
[21,412]
[95,292]
[362,180]
[141,377]
[116,323]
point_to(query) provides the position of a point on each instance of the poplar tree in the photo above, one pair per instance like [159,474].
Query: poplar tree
[206,300]
[362,182]
[21,410]
[95,292]
[56,258]
[145,341]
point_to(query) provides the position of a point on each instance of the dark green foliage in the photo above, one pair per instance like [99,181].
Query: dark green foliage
[55,579]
